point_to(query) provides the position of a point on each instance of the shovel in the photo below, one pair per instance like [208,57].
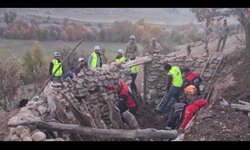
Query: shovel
[162,100]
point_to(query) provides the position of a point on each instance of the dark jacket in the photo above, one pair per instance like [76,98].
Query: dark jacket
[126,98]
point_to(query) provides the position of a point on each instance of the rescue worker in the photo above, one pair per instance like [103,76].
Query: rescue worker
[119,56]
[174,77]
[70,73]
[95,59]
[192,78]
[223,33]
[132,47]
[207,33]
[54,64]
[154,47]
[133,74]
[81,66]
[127,100]
[181,113]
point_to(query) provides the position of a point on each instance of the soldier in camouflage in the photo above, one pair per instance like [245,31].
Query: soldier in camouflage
[132,47]
[154,47]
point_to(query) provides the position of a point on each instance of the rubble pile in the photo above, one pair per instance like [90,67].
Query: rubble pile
[85,92]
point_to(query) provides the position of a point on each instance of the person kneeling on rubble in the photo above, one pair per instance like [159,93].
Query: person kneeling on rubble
[127,100]
[181,113]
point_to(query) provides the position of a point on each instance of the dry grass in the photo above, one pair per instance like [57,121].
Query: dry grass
[18,47]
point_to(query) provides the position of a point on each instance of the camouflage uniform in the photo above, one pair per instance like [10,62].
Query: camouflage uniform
[132,47]
[155,46]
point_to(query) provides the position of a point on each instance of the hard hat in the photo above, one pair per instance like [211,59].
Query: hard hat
[57,54]
[132,37]
[153,39]
[81,59]
[96,48]
[191,89]
[120,51]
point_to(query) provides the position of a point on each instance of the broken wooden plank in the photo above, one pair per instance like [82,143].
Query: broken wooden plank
[211,81]
[139,61]
[243,102]
[241,107]
[106,133]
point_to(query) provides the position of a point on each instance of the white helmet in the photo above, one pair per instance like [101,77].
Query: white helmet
[132,37]
[120,51]
[96,48]
[81,59]
[57,54]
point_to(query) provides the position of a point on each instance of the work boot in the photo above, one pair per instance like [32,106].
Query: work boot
[158,109]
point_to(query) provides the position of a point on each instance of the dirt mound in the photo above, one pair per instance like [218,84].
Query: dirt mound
[222,123]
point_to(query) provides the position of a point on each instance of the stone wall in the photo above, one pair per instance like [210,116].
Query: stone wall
[87,94]
[156,77]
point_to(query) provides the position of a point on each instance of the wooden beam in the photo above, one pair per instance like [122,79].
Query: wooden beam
[241,107]
[209,89]
[139,61]
[243,102]
[104,133]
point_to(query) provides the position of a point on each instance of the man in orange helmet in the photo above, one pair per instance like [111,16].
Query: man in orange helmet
[182,113]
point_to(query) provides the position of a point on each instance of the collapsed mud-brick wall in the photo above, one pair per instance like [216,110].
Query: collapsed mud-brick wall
[156,77]
[83,96]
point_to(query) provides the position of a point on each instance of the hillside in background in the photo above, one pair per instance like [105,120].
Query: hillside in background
[170,16]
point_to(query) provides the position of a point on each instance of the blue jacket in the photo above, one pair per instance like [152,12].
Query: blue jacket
[70,74]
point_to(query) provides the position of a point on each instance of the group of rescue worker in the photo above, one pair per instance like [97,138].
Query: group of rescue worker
[181,112]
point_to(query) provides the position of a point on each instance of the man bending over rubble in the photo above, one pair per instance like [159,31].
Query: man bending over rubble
[127,100]
[181,113]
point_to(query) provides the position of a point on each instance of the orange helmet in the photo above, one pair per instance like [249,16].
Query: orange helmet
[191,89]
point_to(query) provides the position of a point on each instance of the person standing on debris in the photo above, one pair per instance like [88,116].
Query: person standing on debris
[154,47]
[119,56]
[133,74]
[80,66]
[174,77]
[181,113]
[95,59]
[192,78]
[54,64]
[70,74]
[223,33]
[127,100]
[207,31]
[132,47]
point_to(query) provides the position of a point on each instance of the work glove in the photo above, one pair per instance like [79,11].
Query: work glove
[105,85]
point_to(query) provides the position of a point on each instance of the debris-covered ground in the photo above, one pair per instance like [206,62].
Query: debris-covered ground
[222,123]
[4,120]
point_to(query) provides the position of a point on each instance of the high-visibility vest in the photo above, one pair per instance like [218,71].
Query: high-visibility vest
[56,65]
[177,77]
[134,69]
[120,59]
[94,60]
